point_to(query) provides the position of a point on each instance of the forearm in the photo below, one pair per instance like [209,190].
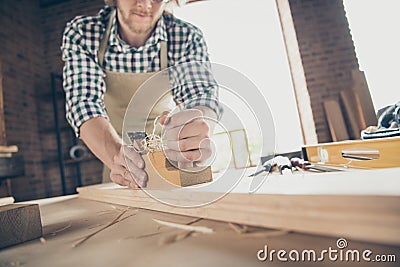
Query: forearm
[101,138]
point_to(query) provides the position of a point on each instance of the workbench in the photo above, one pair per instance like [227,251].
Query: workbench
[136,240]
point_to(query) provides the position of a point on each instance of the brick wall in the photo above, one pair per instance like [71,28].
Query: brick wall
[327,58]
[24,72]
[30,38]
[54,18]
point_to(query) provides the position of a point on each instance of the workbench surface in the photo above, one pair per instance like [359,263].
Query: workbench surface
[137,240]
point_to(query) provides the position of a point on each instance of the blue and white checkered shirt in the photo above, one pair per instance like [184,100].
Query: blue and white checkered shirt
[84,83]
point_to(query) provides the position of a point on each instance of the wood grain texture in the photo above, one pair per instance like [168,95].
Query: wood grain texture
[8,149]
[352,113]
[388,153]
[365,216]
[6,201]
[163,175]
[364,98]
[334,116]
[139,241]
[3,139]
[19,223]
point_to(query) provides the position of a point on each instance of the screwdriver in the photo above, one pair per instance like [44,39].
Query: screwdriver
[265,168]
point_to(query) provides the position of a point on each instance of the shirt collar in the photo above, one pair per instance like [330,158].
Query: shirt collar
[159,34]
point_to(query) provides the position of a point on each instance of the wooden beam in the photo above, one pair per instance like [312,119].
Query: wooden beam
[297,71]
[3,139]
[19,223]
[364,99]
[6,201]
[8,149]
[352,113]
[363,205]
[336,123]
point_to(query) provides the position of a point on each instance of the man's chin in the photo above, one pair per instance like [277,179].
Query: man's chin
[141,29]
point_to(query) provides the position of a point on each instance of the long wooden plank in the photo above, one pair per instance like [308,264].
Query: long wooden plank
[336,123]
[6,201]
[3,139]
[365,215]
[350,105]
[363,96]
[8,149]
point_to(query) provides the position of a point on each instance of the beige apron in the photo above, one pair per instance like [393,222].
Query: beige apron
[120,87]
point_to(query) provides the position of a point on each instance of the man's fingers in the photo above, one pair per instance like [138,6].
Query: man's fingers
[188,156]
[193,143]
[183,117]
[122,176]
[194,128]
[132,172]
[117,176]
[164,119]
[132,155]
[139,177]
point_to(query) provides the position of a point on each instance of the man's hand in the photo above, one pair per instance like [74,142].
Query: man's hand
[102,139]
[127,168]
[186,136]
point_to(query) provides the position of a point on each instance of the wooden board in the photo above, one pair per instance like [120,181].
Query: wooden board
[352,113]
[19,223]
[163,175]
[364,99]
[334,116]
[137,241]
[3,139]
[332,153]
[6,201]
[8,149]
[362,205]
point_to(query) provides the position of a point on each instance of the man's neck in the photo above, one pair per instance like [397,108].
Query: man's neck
[132,38]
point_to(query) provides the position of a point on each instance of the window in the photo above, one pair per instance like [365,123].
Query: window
[375,29]
[246,36]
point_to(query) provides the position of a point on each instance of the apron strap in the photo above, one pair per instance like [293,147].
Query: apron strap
[163,55]
[104,41]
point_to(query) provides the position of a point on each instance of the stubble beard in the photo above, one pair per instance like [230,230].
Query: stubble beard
[133,27]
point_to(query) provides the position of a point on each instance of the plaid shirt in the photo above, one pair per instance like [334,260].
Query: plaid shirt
[84,83]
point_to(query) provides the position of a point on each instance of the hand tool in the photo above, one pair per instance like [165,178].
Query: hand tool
[278,163]
[265,168]
[298,162]
[282,164]
[305,165]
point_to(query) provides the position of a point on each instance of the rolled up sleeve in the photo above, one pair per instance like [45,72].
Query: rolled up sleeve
[193,81]
[83,80]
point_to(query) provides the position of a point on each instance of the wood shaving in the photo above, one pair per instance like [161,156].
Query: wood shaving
[266,234]
[238,228]
[199,229]
[61,229]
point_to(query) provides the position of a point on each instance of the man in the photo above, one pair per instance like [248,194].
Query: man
[107,57]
